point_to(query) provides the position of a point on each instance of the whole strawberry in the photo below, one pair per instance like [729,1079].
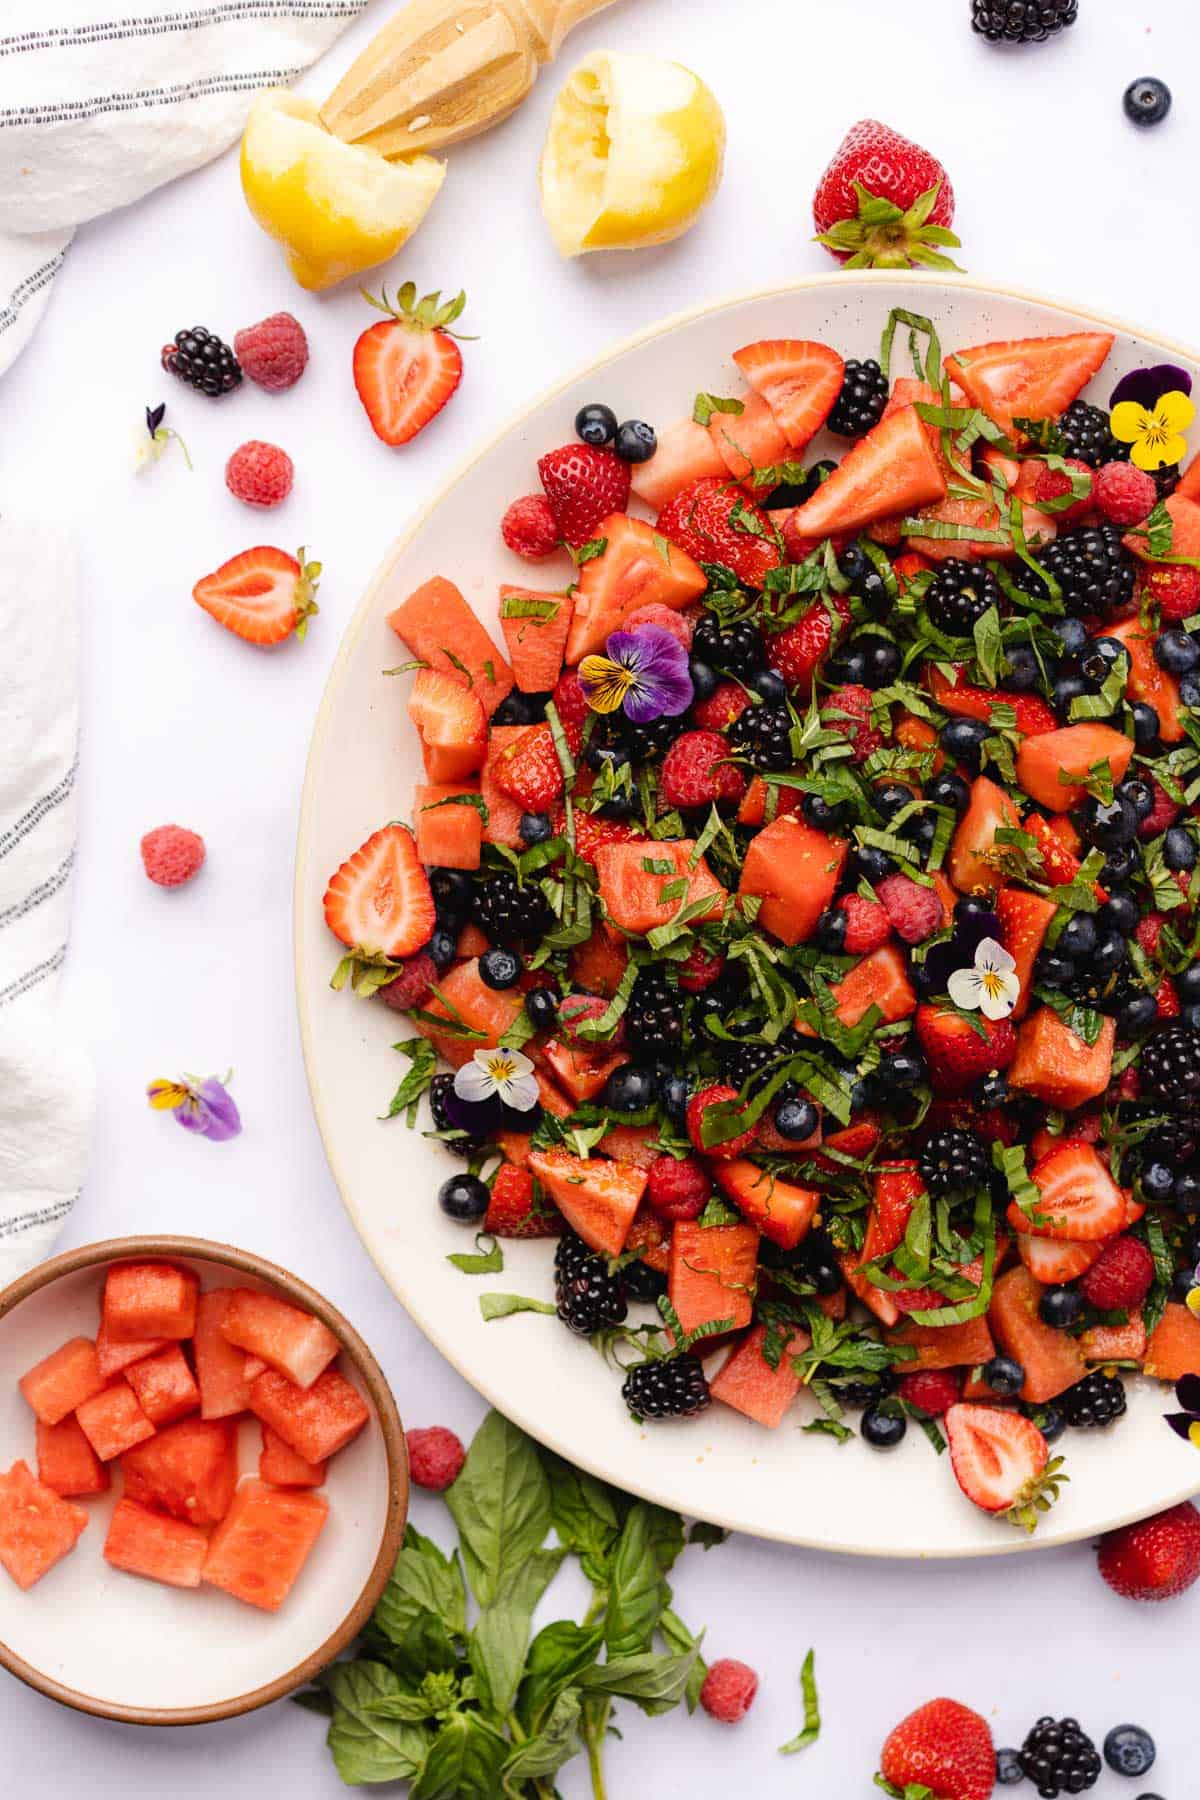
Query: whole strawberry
[714,522]
[583,485]
[943,1748]
[960,1051]
[885,203]
[1155,1559]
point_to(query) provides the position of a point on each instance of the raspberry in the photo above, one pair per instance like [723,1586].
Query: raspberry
[1148,929]
[1120,1277]
[172,854]
[1052,484]
[1167,999]
[435,1456]
[655,613]
[914,911]
[1155,1559]
[259,474]
[696,771]
[1123,494]
[579,1009]
[796,651]
[867,925]
[933,1390]
[854,701]
[413,984]
[1163,813]
[677,1187]
[698,1105]
[702,968]
[727,702]
[529,528]
[729,1688]
[273,353]
[1176,590]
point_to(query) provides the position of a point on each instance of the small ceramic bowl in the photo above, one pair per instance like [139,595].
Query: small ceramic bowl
[109,1643]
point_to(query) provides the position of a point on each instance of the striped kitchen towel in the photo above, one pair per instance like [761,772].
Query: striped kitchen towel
[100,103]
[46,1081]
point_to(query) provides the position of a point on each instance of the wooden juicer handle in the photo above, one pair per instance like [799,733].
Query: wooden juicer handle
[441,71]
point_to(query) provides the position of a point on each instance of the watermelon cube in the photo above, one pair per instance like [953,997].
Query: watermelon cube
[113,1357]
[712,1274]
[315,1422]
[37,1526]
[279,1464]
[264,1542]
[220,1368]
[148,1300]
[149,1544]
[66,1461]
[252,1368]
[113,1422]
[63,1380]
[749,1384]
[286,1339]
[165,1386]
[189,1470]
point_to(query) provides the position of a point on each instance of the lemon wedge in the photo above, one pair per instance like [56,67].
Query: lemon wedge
[336,208]
[632,154]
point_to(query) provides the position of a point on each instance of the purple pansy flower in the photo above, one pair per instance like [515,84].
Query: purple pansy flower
[203,1106]
[1146,387]
[644,671]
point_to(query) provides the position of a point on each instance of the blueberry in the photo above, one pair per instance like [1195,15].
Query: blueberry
[890,797]
[848,664]
[1177,652]
[872,864]
[1146,723]
[962,740]
[1060,1308]
[1147,101]
[1008,1768]
[883,1430]
[769,683]
[920,830]
[1051,1423]
[993,1090]
[635,441]
[704,679]
[1129,1750]
[452,890]
[1187,984]
[617,806]
[1139,794]
[796,1119]
[1158,1181]
[1023,671]
[883,661]
[1182,1285]
[1108,956]
[1190,1016]
[1098,658]
[1004,1375]
[500,969]
[517,708]
[628,1090]
[1187,1196]
[1119,866]
[442,946]
[824,815]
[1137,1015]
[1120,912]
[902,1070]
[861,1093]
[541,1007]
[854,563]
[823,1272]
[597,756]
[676,1092]
[463,1198]
[1179,849]
[1077,937]
[1189,691]
[971,909]
[1053,970]
[596,424]
[535,828]
[1067,688]
[1110,824]
[948,789]
[831,931]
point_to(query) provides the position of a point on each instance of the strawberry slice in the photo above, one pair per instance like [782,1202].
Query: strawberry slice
[799,380]
[1055,1260]
[998,1459]
[451,723]
[1029,378]
[1079,1198]
[263,595]
[714,522]
[378,903]
[407,366]
[1033,714]
[528,770]
[584,485]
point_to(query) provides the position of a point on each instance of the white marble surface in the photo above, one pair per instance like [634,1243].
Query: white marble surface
[181,722]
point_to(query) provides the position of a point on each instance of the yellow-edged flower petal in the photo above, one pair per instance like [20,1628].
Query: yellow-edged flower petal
[1176,410]
[166,1096]
[605,682]
[1194,1435]
[1128,422]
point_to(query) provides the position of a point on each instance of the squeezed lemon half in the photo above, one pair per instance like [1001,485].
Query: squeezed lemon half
[337,209]
[632,154]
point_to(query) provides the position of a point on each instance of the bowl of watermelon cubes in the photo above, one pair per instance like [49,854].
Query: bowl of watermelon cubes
[203,1483]
[750,858]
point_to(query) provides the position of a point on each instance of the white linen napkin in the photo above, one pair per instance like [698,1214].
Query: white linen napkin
[99,104]
[46,1081]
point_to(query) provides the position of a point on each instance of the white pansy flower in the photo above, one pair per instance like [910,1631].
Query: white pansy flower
[991,987]
[502,1074]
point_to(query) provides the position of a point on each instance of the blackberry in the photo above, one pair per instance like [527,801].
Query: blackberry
[674,1388]
[1170,1065]
[860,404]
[1175,1142]
[508,912]
[647,742]
[1088,437]
[853,1396]
[1022,21]
[737,648]
[954,1163]
[764,734]
[643,1282]
[1098,1399]
[464,1144]
[959,594]
[1166,479]
[204,361]
[1092,569]
[588,1297]
[654,1016]
[1060,1758]
[747,1061]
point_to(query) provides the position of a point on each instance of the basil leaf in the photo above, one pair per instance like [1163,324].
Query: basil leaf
[501,1635]
[637,1591]
[812,1711]
[464,1761]
[479,1261]
[423,1057]
[677,1637]
[666,1535]
[655,1683]
[556,1743]
[500,1503]
[557,1658]
[365,1747]
[582,1509]
[423,1580]
[503,1306]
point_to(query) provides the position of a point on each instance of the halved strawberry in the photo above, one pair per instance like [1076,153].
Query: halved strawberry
[998,1459]
[799,380]
[1033,714]
[1055,1260]
[378,903]
[1078,1197]
[451,723]
[263,595]
[528,769]
[962,1049]
[714,522]
[513,1210]
[407,366]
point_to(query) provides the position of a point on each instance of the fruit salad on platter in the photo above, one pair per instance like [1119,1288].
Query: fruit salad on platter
[796,919]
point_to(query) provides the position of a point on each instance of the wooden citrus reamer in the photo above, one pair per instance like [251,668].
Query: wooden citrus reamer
[440,71]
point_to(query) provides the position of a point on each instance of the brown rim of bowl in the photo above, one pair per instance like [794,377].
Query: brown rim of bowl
[249,1263]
